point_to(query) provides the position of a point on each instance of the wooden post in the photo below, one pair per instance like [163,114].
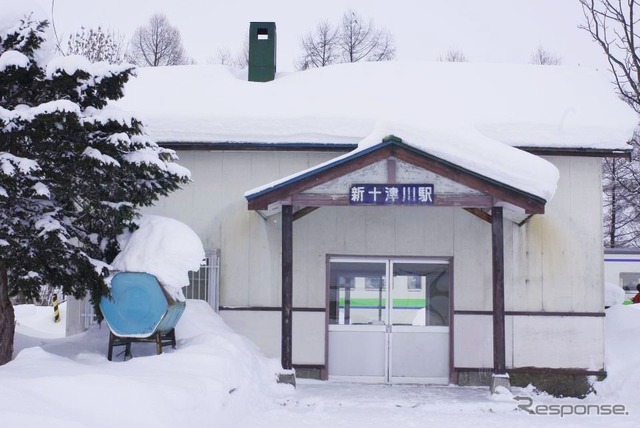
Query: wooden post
[497,248]
[56,309]
[110,352]
[158,343]
[287,285]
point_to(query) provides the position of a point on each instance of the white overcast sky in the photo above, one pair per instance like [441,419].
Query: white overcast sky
[485,30]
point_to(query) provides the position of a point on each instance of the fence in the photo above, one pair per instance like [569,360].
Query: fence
[203,285]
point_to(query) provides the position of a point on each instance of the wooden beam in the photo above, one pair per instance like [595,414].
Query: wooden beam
[531,204]
[303,212]
[497,250]
[463,201]
[315,179]
[319,200]
[287,286]
[483,215]
[391,170]
[448,200]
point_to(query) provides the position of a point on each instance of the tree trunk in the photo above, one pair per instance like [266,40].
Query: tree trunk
[614,201]
[612,223]
[7,318]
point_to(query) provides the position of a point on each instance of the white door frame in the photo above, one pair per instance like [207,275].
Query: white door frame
[442,333]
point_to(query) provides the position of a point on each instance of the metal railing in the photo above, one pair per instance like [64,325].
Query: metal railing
[204,285]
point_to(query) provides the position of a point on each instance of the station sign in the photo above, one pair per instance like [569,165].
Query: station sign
[391,194]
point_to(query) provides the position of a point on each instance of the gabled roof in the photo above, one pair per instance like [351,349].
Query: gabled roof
[488,180]
[549,107]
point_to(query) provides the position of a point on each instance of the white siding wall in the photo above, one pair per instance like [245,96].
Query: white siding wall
[547,267]
[557,256]
[557,268]
[552,264]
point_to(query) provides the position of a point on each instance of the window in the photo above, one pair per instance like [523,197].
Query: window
[385,291]
[629,280]
[414,283]
[374,283]
[420,294]
[203,284]
[356,293]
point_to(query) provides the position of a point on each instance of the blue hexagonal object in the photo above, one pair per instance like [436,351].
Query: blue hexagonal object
[138,306]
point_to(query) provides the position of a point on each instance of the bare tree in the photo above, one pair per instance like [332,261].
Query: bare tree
[157,43]
[319,47]
[96,45]
[621,226]
[621,199]
[541,56]
[353,40]
[453,55]
[385,49]
[242,57]
[224,56]
[612,25]
[360,40]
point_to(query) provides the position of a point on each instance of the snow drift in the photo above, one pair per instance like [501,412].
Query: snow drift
[163,247]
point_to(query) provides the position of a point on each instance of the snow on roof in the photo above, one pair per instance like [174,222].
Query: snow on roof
[520,105]
[464,147]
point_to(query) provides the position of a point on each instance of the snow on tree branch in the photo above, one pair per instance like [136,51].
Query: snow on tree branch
[74,171]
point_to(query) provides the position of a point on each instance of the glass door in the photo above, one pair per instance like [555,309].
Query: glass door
[389,320]
[358,315]
[419,322]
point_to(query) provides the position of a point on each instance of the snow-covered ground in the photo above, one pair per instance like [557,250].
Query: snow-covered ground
[216,378]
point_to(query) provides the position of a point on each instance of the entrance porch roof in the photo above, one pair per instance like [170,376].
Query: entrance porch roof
[506,176]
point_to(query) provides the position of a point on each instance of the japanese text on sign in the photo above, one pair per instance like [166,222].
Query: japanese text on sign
[391,194]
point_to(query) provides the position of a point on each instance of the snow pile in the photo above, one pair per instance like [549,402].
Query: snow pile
[213,377]
[217,378]
[163,247]
[38,321]
[613,294]
[622,354]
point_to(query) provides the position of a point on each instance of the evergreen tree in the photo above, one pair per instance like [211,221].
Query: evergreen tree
[74,171]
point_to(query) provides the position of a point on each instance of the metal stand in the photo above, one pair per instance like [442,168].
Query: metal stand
[498,380]
[161,340]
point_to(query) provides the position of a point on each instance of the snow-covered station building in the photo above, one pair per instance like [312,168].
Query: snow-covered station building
[396,221]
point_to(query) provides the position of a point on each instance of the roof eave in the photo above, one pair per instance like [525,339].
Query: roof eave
[394,146]
[577,151]
[347,147]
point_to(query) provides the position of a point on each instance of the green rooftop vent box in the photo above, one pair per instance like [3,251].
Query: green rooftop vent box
[262,51]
